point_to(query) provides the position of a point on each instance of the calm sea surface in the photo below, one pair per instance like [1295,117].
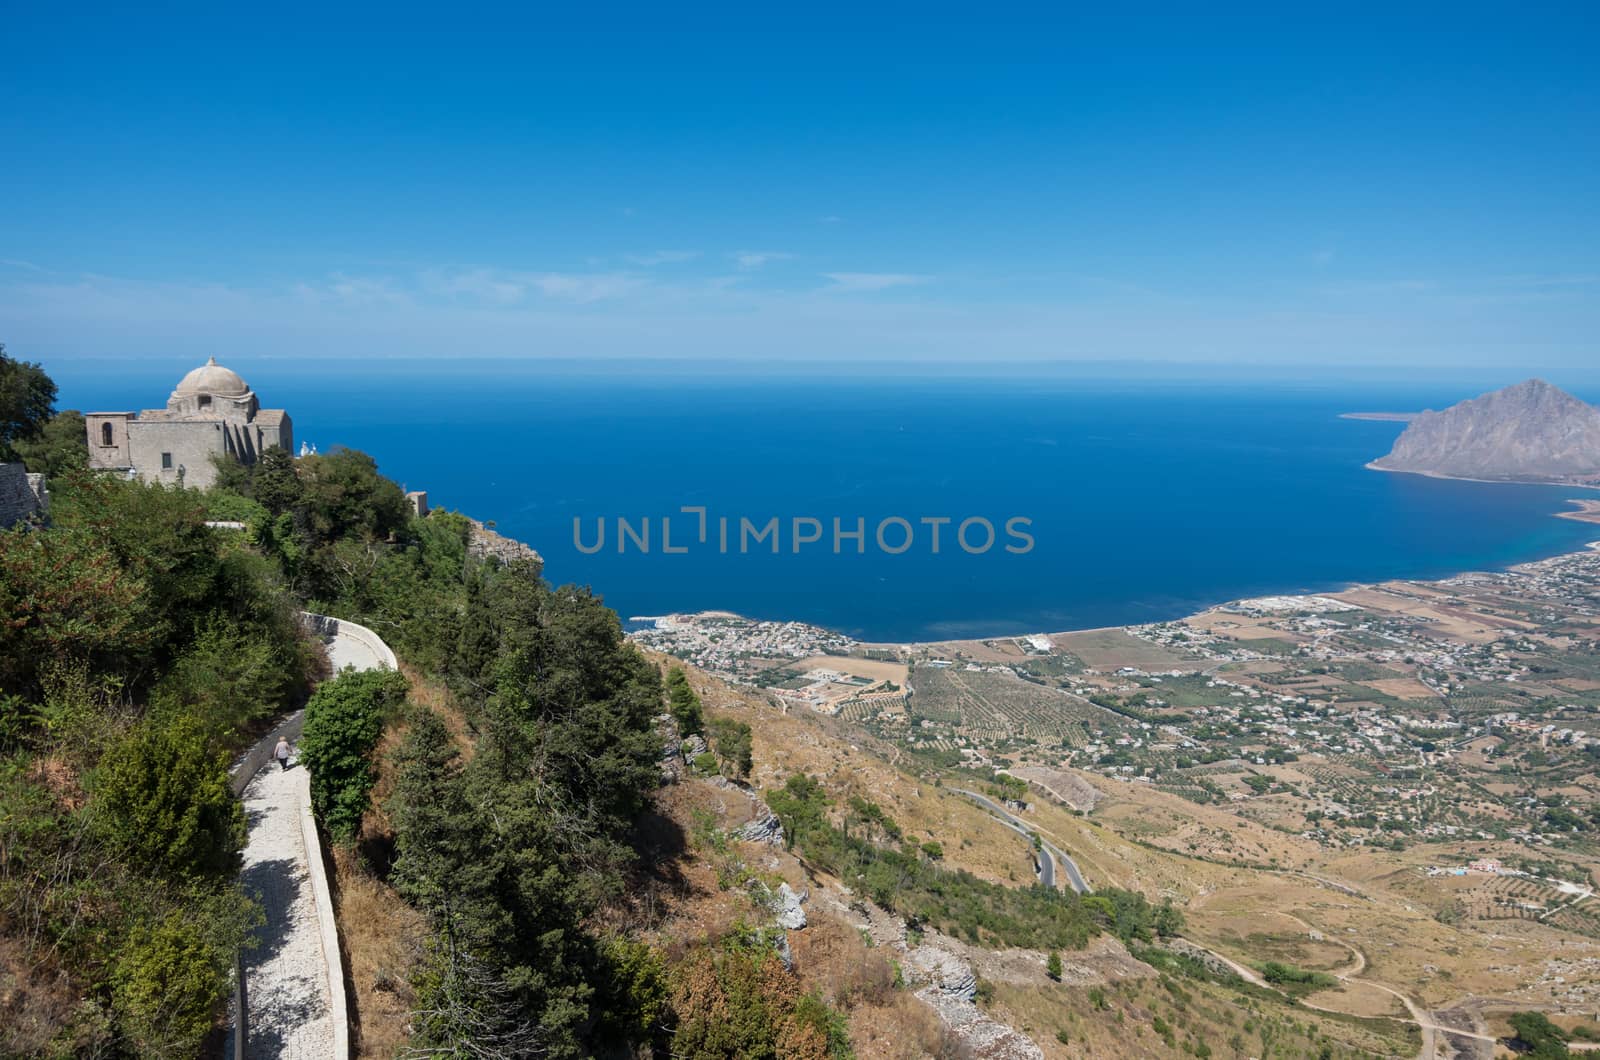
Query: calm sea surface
[1146,501]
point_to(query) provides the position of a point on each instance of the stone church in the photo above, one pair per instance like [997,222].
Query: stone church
[212,412]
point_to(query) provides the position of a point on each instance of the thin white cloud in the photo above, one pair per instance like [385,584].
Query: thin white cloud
[750,260]
[585,287]
[358,290]
[505,288]
[1542,282]
[872,281]
[485,284]
[662,257]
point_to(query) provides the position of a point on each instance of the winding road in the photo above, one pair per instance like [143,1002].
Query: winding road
[1049,853]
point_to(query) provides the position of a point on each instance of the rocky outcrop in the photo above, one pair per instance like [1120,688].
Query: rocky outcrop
[950,988]
[1531,432]
[790,914]
[764,828]
[483,542]
[672,764]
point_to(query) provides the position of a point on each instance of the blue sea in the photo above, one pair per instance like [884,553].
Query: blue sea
[1145,499]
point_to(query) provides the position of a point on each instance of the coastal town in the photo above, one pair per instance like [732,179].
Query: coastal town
[1405,715]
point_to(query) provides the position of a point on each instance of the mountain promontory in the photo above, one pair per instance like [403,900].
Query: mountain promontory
[1530,432]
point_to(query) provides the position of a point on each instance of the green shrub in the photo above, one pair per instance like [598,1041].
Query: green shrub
[344,719]
[633,997]
[741,1003]
[166,986]
[1295,981]
[231,508]
[164,799]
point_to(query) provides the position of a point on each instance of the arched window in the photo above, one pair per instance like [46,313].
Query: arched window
[205,401]
[105,434]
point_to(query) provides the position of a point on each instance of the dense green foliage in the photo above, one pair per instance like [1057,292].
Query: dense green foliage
[1537,1037]
[137,650]
[168,982]
[27,401]
[344,719]
[122,583]
[60,446]
[684,703]
[508,853]
[1295,981]
[165,801]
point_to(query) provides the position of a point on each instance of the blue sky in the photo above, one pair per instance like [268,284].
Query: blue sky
[1358,188]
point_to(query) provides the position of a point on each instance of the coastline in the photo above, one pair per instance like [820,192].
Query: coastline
[1373,465]
[1382,417]
[1587,511]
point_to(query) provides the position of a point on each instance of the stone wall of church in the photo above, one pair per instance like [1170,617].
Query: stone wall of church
[174,451]
[282,435]
[108,450]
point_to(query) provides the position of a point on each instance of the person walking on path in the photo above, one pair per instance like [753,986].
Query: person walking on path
[281,752]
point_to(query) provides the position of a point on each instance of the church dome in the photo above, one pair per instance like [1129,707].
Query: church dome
[212,378]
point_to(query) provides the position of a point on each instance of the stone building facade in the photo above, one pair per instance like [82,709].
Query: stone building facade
[212,413]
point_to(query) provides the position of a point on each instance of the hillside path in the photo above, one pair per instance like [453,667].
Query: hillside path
[293,1006]
[286,972]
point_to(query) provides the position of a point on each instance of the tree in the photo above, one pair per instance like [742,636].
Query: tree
[1168,919]
[60,446]
[165,800]
[1052,966]
[1539,1038]
[730,740]
[344,719]
[159,538]
[342,495]
[273,482]
[634,992]
[683,703]
[27,401]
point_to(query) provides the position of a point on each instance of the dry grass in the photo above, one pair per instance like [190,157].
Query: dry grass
[379,936]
